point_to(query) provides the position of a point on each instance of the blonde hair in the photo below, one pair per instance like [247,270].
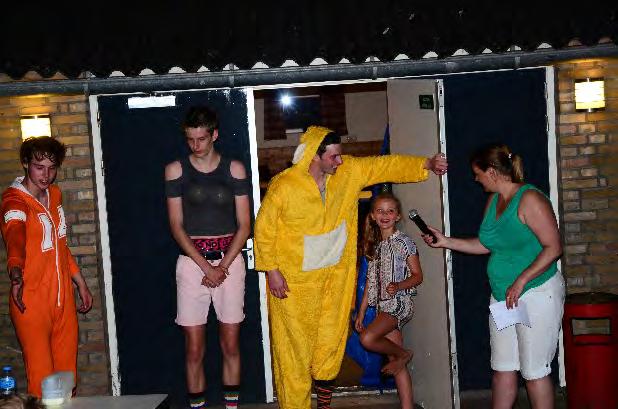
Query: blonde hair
[371,232]
[502,159]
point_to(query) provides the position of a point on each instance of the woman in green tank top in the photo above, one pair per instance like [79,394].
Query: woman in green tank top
[520,233]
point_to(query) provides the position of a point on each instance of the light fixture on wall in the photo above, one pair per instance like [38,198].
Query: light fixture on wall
[35,125]
[589,94]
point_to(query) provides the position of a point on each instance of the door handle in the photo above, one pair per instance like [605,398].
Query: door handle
[249,252]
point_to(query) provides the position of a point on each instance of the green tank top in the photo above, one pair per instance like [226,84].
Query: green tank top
[513,246]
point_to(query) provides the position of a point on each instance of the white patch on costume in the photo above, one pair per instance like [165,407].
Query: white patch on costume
[62,228]
[298,153]
[14,215]
[47,242]
[324,250]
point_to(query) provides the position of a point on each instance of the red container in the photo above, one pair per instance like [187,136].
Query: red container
[590,328]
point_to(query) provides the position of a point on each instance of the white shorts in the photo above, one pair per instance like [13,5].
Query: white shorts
[531,350]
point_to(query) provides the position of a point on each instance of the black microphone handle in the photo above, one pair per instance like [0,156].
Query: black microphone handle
[420,223]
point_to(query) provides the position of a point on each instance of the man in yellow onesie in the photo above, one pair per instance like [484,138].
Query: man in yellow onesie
[305,239]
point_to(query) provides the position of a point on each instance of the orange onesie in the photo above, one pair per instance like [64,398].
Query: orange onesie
[36,240]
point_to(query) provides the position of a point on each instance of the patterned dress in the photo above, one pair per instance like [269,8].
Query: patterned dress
[389,266]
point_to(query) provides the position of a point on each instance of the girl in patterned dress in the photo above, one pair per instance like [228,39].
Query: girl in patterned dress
[393,273]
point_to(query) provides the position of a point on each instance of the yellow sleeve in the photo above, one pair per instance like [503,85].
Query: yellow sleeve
[390,168]
[266,230]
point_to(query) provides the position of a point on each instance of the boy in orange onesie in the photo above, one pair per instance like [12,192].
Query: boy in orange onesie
[40,265]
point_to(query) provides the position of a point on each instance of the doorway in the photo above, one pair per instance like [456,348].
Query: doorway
[134,145]
[357,112]
[514,107]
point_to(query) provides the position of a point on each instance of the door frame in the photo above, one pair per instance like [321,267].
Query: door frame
[553,196]
[104,232]
[112,336]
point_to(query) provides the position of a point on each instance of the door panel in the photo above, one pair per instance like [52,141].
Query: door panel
[508,107]
[136,146]
[505,106]
[415,131]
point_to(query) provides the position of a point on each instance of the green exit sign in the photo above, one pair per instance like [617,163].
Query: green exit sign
[425,101]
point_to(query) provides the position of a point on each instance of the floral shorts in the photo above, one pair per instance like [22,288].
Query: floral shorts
[400,307]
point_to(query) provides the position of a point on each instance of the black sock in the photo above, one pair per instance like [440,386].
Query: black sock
[324,390]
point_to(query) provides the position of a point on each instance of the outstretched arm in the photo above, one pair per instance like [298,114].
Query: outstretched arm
[468,245]
[397,168]
[437,164]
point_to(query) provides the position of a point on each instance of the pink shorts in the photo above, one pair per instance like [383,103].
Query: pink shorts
[194,298]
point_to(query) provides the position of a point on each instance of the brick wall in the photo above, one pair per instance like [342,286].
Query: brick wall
[69,119]
[588,145]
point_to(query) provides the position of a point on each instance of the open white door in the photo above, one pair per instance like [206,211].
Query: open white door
[416,127]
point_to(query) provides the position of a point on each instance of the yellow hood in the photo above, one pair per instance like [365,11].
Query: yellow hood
[309,143]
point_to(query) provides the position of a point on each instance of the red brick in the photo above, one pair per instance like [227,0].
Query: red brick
[576,162]
[572,118]
[587,128]
[580,183]
[567,129]
[600,138]
[573,140]
[569,217]
[587,150]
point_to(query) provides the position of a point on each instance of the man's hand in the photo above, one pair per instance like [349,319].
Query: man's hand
[277,284]
[214,276]
[17,287]
[86,297]
[17,292]
[437,164]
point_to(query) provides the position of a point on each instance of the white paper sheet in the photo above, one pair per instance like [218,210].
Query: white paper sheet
[504,317]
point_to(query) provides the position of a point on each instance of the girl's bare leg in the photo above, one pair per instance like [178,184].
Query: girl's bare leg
[403,380]
[374,339]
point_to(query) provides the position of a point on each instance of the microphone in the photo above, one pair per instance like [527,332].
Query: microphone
[414,216]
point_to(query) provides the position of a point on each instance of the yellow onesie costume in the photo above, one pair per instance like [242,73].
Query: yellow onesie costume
[313,244]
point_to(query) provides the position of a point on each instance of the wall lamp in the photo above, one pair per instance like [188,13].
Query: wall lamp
[589,94]
[35,125]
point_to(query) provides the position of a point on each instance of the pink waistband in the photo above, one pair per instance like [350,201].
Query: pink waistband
[213,244]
